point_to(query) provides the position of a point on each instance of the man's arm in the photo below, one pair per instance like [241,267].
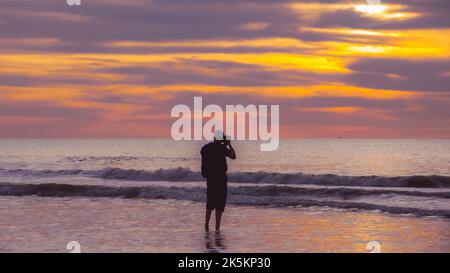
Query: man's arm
[230,151]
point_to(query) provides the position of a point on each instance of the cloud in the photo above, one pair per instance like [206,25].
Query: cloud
[422,75]
[335,68]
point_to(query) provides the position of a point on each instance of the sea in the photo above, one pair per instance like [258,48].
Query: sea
[396,176]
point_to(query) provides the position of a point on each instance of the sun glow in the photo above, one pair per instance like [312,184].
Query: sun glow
[370,9]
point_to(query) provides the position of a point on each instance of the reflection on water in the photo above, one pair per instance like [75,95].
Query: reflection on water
[42,224]
[214,242]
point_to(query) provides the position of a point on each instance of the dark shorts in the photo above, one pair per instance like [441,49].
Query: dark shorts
[216,193]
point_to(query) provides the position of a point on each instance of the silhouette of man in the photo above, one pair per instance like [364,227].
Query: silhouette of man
[214,168]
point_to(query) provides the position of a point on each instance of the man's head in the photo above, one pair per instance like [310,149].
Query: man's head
[219,136]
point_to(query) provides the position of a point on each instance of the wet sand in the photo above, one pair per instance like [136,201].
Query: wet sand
[41,224]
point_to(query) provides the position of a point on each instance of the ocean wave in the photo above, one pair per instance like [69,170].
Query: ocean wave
[45,173]
[197,194]
[185,174]
[176,174]
[115,159]
[340,192]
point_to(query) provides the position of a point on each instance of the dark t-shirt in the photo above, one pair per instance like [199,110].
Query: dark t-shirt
[214,160]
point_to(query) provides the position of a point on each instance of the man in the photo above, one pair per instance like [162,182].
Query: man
[214,168]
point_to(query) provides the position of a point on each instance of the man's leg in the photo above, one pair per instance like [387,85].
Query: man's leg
[207,217]
[218,218]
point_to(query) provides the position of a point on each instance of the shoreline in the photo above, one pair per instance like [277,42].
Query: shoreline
[45,224]
[281,196]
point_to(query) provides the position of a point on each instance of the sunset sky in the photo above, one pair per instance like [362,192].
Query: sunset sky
[115,68]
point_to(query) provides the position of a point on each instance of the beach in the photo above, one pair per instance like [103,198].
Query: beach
[137,195]
[42,224]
